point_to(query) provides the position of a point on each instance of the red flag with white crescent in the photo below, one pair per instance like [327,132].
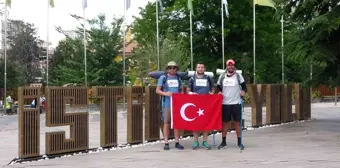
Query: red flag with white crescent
[200,112]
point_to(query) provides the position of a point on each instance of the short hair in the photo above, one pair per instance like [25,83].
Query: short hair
[200,64]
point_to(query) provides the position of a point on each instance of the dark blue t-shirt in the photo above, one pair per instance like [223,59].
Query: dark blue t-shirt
[200,85]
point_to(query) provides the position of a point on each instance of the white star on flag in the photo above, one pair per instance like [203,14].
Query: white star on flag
[200,112]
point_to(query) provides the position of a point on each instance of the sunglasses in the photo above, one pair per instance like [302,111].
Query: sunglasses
[172,67]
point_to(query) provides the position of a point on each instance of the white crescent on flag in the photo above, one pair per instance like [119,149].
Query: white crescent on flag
[182,111]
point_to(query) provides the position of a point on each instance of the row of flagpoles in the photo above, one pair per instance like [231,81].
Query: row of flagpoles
[224,6]
[50,4]
[127,4]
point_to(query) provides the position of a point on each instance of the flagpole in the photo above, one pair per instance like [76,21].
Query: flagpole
[84,35]
[124,41]
[5,75]
[282,56]
[47,38]
[157,30]
[124,45]
[254,50]
[191,49]
[222,18]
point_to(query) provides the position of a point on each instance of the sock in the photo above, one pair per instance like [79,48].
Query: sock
[224,139]
[177,143]
[238,140]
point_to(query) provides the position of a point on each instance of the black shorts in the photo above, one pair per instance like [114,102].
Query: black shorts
[231,112]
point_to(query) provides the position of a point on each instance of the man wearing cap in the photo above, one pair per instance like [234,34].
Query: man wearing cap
[232,86]
[200,84]
[167,85]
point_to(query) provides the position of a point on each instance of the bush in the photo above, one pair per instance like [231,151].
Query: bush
[316,94]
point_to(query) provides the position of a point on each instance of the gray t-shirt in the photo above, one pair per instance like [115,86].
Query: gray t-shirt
[231,90]
[200,85]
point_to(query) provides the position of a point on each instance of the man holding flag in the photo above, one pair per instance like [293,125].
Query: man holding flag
[167,85]
[232,86]
[200,84]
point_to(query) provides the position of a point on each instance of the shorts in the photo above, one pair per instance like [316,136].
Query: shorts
[231,112]
[166,114]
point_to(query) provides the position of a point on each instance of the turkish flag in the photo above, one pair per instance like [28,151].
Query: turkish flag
[201,112]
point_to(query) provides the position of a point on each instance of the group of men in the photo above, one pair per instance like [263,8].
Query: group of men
[230,84]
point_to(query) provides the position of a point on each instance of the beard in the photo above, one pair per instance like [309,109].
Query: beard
[200,73]
[231,70]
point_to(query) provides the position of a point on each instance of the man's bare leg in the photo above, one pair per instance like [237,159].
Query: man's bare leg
[195,144]
[166,131]
[238,133]
[176,132]
[237,128]
[205,140]
[177,135]
[225,128]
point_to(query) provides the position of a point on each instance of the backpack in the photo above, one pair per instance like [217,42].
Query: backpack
[193,79]
[166,78]
[223,76]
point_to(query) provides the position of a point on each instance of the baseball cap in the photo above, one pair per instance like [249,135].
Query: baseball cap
[230,61]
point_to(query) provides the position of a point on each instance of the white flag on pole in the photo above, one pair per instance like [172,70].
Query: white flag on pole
[161,6]
[225,2]
[84,4]
[128,4]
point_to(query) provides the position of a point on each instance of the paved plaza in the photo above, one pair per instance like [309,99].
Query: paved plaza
[313,143]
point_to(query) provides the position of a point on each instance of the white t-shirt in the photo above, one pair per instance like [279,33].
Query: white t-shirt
[231,89]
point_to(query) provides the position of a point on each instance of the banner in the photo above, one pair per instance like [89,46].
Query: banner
[196,112]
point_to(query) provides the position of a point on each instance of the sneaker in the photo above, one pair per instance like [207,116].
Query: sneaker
[205,145]
[241,146]
[179,146]
[166,146]
[195,145]
[223,145]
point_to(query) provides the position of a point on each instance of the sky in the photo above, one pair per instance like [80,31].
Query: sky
[35,11]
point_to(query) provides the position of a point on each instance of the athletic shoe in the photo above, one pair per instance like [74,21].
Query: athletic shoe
[166,146]
[241,146]
[223,145]
[205,145]
[195,145]
[179,146]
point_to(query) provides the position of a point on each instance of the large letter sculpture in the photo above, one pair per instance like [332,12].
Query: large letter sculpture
[56,116]
[108,113]
[29,123]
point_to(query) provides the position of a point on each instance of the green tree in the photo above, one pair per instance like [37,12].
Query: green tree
[103,45]
[145,60]
[15,74]
[67,62]
[24,49]
[207,35]
[317,38]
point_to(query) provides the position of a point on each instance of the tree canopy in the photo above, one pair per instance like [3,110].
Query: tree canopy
[207,36]
[103,46]
[311,41]
[317,37]
[24,49]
